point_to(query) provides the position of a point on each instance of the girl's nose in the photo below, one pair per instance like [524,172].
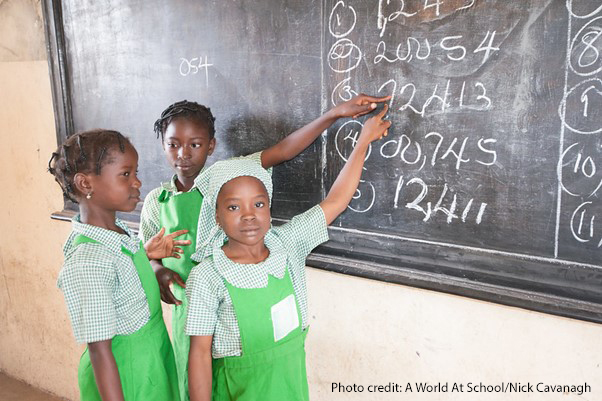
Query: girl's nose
[248,215]
[184,152]
[137,183]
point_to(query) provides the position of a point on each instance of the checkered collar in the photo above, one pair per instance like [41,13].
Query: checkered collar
[170,185]
[253,275]
[111,239]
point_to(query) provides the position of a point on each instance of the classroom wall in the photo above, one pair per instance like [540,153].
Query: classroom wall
[363,332]
[36,344]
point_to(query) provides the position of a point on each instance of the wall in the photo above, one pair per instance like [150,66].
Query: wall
[36,344]
[363,332]
[367,332]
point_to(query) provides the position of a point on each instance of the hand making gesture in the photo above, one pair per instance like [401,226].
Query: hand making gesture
[162,246]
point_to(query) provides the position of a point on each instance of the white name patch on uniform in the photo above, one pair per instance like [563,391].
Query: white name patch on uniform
[284,317]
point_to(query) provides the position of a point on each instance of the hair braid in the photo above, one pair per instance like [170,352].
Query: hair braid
[189,110]
[85,152]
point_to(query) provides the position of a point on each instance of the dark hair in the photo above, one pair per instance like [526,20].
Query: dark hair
[185,109]
[84,152]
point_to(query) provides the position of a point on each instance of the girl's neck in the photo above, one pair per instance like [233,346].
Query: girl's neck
[99,218]
[244,254]
[183,184]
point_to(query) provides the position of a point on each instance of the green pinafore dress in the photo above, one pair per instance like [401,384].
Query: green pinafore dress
[272,364]
[145,358]
[181,212]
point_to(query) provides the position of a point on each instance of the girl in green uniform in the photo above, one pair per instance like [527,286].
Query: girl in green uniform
[110,289]
[187,132]
[247,313]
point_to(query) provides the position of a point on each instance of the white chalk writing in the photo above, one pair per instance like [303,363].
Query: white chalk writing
[194,66]
[418,151]
[578,168]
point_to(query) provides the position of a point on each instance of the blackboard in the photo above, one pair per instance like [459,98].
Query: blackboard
[125,62]
[488,184]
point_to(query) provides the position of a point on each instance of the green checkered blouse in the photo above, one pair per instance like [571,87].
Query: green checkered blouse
[100,283]
[210,309]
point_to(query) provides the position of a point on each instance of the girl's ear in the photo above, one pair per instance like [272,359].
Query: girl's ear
[211,146]
[82,183]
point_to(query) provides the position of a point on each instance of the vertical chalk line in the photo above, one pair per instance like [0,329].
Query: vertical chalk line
[562,125]
[324,102]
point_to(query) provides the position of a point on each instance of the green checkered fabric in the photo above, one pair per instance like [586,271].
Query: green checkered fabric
[149,216]
[210,310]
[100,283]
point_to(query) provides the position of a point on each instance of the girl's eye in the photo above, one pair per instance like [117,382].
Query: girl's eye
[127,173]
[195,145]
[233,207]
[259,204]
[171,145]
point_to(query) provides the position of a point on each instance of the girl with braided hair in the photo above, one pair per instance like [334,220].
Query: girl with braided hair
[187,132]
[109,286]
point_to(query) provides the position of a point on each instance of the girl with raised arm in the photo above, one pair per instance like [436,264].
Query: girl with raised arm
[247,314]
[188,135]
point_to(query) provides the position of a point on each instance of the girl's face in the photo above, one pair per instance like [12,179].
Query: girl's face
[187,145]
[117,188]
[243,211]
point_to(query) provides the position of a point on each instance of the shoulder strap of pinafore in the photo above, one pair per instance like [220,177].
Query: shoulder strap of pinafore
[144,270]
[80,239]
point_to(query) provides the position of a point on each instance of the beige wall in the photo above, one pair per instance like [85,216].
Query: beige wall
[35,340]
[366,332]
[363,332]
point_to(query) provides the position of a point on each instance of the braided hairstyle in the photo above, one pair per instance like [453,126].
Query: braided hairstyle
[188,110]
[85,152]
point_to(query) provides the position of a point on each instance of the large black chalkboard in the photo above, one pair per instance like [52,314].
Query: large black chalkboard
[250,62]
[488,184]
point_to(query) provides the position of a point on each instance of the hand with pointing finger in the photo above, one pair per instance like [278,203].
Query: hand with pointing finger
[375,127]
[358,106]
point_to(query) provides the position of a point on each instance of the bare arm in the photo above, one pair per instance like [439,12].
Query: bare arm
[199,368]
[105,371]
[299,140]
[344,186]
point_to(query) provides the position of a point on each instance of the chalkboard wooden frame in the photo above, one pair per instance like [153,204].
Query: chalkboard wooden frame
[533,283]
